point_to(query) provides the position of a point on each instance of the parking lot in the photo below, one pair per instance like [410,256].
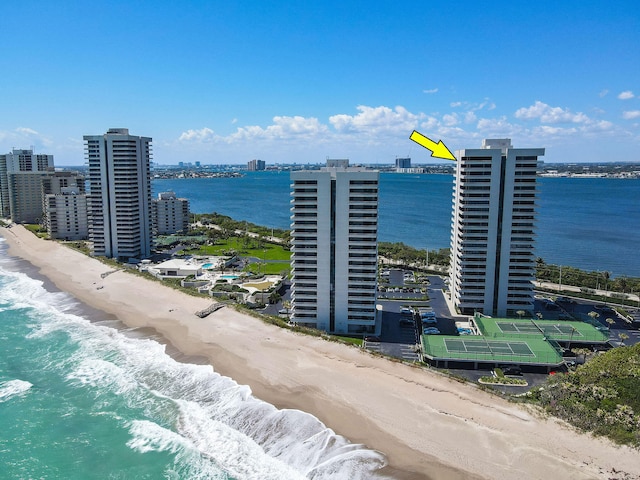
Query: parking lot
[399,334]
[564,308]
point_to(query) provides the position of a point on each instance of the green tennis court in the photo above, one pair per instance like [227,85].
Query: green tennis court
[490,347]
[525,329]
[533,328]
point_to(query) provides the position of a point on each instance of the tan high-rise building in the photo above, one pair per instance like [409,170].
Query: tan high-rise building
[65,206]
[21,174]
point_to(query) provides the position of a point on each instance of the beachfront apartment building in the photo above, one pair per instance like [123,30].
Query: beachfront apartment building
[119,197]
[65,206]
[493,229]
[334,245]
[170,214]
[21,174]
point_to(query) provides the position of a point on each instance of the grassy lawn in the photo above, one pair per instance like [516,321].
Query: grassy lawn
[268,268]
[244,248]
[352,341]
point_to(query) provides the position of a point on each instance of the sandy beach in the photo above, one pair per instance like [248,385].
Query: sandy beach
[427,425]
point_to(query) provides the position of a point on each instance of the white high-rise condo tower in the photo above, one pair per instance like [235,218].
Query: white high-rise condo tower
[119,206]
[492,237]
[334,260]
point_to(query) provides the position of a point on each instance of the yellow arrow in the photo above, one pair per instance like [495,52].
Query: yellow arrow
[438,150]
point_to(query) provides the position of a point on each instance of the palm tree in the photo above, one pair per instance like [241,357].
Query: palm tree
[594,316]
[610,321]
[520,314]
[623,336]
[606,276]
[581,351]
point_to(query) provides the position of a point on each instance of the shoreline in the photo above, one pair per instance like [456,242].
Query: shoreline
[427,425]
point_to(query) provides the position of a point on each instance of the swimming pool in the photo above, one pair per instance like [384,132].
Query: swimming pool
[229,276]
[207,265]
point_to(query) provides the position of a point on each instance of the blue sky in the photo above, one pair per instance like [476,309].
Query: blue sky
[226,82]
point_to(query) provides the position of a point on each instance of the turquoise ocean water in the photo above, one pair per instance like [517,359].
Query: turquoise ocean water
[589,223]
[83,398]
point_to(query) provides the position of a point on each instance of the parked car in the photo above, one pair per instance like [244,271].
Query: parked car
[371,338]
[512,370]
[565,300]
[430,331]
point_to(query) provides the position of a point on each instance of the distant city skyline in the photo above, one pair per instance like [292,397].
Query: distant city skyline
[290,83]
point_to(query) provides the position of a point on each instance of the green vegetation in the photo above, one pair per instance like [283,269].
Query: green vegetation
[244,246]
[410,255]
[37,230]
[272,259]
[349,340]
[226,287]
[229,226]
[267,268]
[500,379]
[588,281]
[81,246]
[600,396]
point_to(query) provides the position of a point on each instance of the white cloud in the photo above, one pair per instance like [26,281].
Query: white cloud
[381,132]
[25,137]
[630,115]
[603,93]
[234,121]
[548,114]
[626,95]
[202,135]
[26,131]
[497,126]
[450,120]
[470,117]
[429,124]
[377,121]
[474,106]
[548,131]
[432,90]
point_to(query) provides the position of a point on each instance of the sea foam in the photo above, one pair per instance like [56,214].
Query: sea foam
[13,388]
[205,420]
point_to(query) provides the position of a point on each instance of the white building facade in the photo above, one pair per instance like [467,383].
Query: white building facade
[334,237]
[171,214]
[493,229]
[120,219]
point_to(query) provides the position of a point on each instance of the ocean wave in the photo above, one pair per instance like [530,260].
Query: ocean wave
[147,436]
[204,412]
[13,388]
